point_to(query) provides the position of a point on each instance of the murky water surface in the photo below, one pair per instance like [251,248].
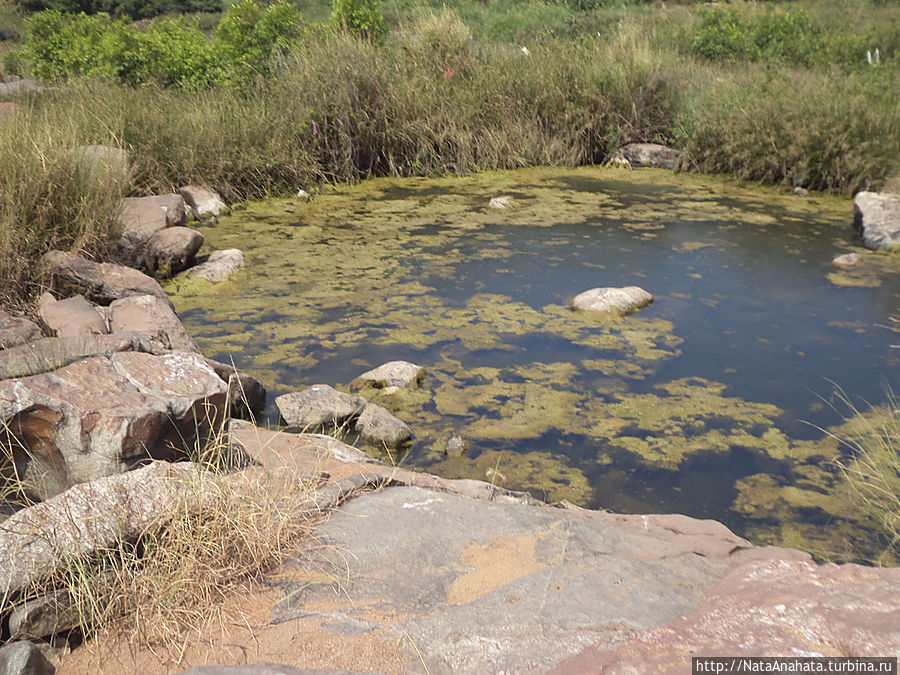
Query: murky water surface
[705,403]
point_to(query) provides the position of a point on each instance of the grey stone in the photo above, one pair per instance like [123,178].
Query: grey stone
[456,446]
[100,282]
[24,658]
[71,317]
[377,426]
[140,217]
[38,540]
[170,250]
[19,86]
[877,217]
[218,267]
[801,191]
[650,154]
[846,261]
[623,301]
[391,374]
[487,587]
[202,202]
[42,617]
[149,315]
[46,354]
[16,330]
[105,415]
[318,407]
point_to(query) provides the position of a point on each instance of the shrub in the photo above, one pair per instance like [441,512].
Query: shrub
[135,9]
[724,33]
[359,17]
[442,43]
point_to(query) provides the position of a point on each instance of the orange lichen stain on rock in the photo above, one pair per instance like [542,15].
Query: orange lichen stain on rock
[496,563]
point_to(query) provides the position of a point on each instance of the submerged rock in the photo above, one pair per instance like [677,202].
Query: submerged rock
[218,267]
[846,261]
[16,330]
[877,217]
[456,446]
[203,203]
[650,154]
[71,317]
[104,415]
[391,374]
[625,300]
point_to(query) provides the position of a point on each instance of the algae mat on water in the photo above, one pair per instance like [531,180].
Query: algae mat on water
[554,401]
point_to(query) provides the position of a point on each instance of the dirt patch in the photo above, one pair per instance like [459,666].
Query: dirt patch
[496,563]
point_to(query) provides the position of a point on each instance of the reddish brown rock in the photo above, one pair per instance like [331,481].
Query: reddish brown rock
[103,415]
[72,317]
[769,608]
[650,154]
[100,282]
[15,330]
[150,315]
[140,217]
[7,110]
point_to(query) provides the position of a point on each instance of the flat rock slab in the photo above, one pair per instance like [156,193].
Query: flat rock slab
[768,608]
[103,415]
[650,154]
[483,587]
[16,330]
[391,374]
[621,301]
[150,315]
[100,282]
[71,317]
[218,266]
[877,217]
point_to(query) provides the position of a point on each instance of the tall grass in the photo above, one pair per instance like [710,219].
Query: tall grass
[431,100]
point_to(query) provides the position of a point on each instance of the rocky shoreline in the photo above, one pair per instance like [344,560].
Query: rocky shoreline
[98,418]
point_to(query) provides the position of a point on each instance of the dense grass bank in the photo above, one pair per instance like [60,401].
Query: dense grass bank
[430,100]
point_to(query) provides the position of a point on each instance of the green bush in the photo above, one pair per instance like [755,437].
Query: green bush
[731,33]
[358,17]
[135,9]
[442,43]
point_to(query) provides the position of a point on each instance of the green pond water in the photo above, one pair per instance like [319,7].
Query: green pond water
[709,402]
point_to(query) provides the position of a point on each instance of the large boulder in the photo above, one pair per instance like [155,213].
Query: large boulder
[101,282]
[24,658]
[140,217]
[650,154]
[622,301]
[218,266]
[104,415]
[170,250]
[877,217]
[203,203]
[769,608]
[16,330]
[148,314]
[391,374]
[318,407]
[47,354]
[71,317]
[22,85]
[37,541]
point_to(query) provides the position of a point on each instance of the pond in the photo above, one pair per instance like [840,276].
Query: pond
[710,402]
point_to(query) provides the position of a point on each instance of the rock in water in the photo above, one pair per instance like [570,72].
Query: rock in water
[457,446]
[318,407]
[623,301]
[391,374]
[170,250]
[377,426]
[218,267]
[877,217]
[846,261]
